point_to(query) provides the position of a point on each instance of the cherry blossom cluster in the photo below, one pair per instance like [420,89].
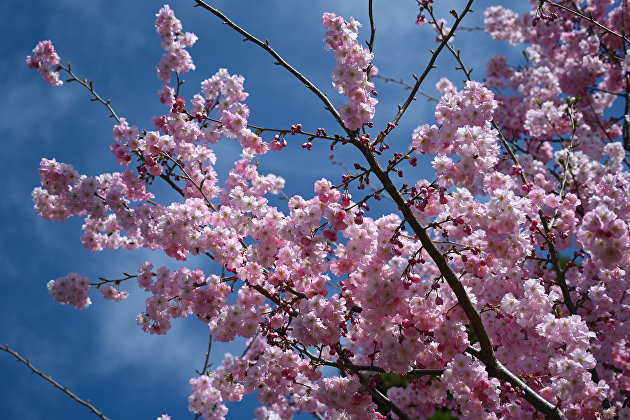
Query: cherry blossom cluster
[44,59]
[563,60]
[177,294]
[274,373]
[350,75]
[343,397]
[605,236]
[112,293]
[227,94]
[421,18]
[104,200]
[206,399]
[176,59]
[465,131]
[468,383]
[72,289]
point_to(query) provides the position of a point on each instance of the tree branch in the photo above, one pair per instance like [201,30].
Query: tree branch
[372,27]
[206,365]
[89,86]
[49,378]
[370,43]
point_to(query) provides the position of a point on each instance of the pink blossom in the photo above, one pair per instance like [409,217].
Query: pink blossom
[45,60]
[349,77]
[73,289]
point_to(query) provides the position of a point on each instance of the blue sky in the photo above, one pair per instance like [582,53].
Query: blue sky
[100,353]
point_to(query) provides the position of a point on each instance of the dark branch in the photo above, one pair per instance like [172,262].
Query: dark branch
[49,378]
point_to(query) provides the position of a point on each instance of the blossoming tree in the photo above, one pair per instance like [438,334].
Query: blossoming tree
[499,287]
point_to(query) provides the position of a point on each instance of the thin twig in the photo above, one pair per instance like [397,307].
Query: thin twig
[205,362]
[89,86]
[626,111]
[349,172]
[249,345]
[406,86]
[117,281]
[472,28]
[205,366]
[370,43]
[275,130]
[49,378]
[372,27]
[626,129]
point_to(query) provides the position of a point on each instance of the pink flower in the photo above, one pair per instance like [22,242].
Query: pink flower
[72,289]
[349,76]
[111,293]
[45,59]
